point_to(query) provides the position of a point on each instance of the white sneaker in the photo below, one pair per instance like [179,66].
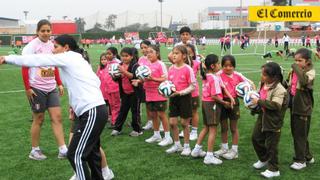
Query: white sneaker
[212,160]
[298,166]
[311,161]
[198,152]
[193,135]
[62,155]
[153,139]
[161,128]
[148,126]
[37,155]
[270,174]
[186,151]
[135,134]
[115,133]
[165,142]
[259,164]
[174,149]
[220,152]
[108,175]
[74,177]
[231,154]
[181,134]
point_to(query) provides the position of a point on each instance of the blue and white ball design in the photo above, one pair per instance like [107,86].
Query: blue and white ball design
[166,88]
[143,72]
[114,70]
[242,88]
[247,99]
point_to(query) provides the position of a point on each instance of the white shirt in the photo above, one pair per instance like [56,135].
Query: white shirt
[189,42]
[82,83]
[286,38]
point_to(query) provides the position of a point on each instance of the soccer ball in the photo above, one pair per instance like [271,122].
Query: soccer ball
[114,70]
[166,88]
[143,72]
[247,99]
[242,88]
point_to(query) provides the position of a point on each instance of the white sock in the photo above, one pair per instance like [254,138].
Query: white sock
[177,143]
[167,134]
[186,145]
[157,133]
[150,121]
[235,148]
[209,153]
[63,149]
[105,169]
[198,146]
[35,148]
[194,129]
[225,146]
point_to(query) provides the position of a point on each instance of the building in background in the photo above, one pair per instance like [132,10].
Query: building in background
[11,26]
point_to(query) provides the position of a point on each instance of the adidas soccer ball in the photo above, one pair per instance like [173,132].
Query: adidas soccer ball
[242,88]
[143,72]
[247,99]
[114,70]
[166,88]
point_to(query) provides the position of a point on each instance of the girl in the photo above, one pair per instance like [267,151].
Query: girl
[266,134]
[308,44]
[40,84]
[211,108]
[155,102]
[129,98]
[143,60]
[85,99]
[301,104]
[180,101]
[230,79]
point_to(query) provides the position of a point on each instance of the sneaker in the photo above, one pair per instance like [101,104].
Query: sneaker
[148,126]
[186,151]
[311,161]
[298,166]
[220,152]
[193,136]
[212,160]
[231,154]
[259,164]
[161,128]
[115,133]
[135,133]
[153,139]
[62,155]
[181,134]
[165,142]
[174,149]
[270,174]
[108,175]
[37,155]
[74,177]
[198,152]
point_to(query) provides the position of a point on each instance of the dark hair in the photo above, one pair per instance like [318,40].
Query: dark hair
[273,71]
[114,51]
[193,50]
[65,39]
[42,23]
[135,53]
[131,52]
[305,54]
[228,58]
[206,65]
[185,29]
[183,51]
[146,42]
[100,64]
[157,49]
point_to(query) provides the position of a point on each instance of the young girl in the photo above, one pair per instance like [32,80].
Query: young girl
[181,101]
[143,60]
[156,103]
[230,79]
[211,109]
[129,98]
[40,84]
[273,103]
[308,41]
[301,105]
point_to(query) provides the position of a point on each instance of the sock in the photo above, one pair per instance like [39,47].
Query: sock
[225,146]
[63,149]
[209,153]
[167,134]
[177,143]
[105,169]
[150,121]
[194,129]
[198,146]
[156,133]
[35,148]
[235,148]
[186,145]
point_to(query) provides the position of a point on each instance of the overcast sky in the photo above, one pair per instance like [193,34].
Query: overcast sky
[179,9]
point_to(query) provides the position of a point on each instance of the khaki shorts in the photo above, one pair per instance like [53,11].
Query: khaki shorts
[181,106]
[232,114]
[211,113]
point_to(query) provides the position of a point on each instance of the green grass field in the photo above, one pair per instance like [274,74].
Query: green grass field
[132,158]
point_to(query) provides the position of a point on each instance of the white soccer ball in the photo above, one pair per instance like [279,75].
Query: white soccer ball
[242,88]
[166,88]
[143,72]
[247,99]
[114,70]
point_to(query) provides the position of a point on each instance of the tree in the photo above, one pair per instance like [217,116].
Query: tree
[279,2]
[135,27]
[110,22]
[80,24]
[97,26]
